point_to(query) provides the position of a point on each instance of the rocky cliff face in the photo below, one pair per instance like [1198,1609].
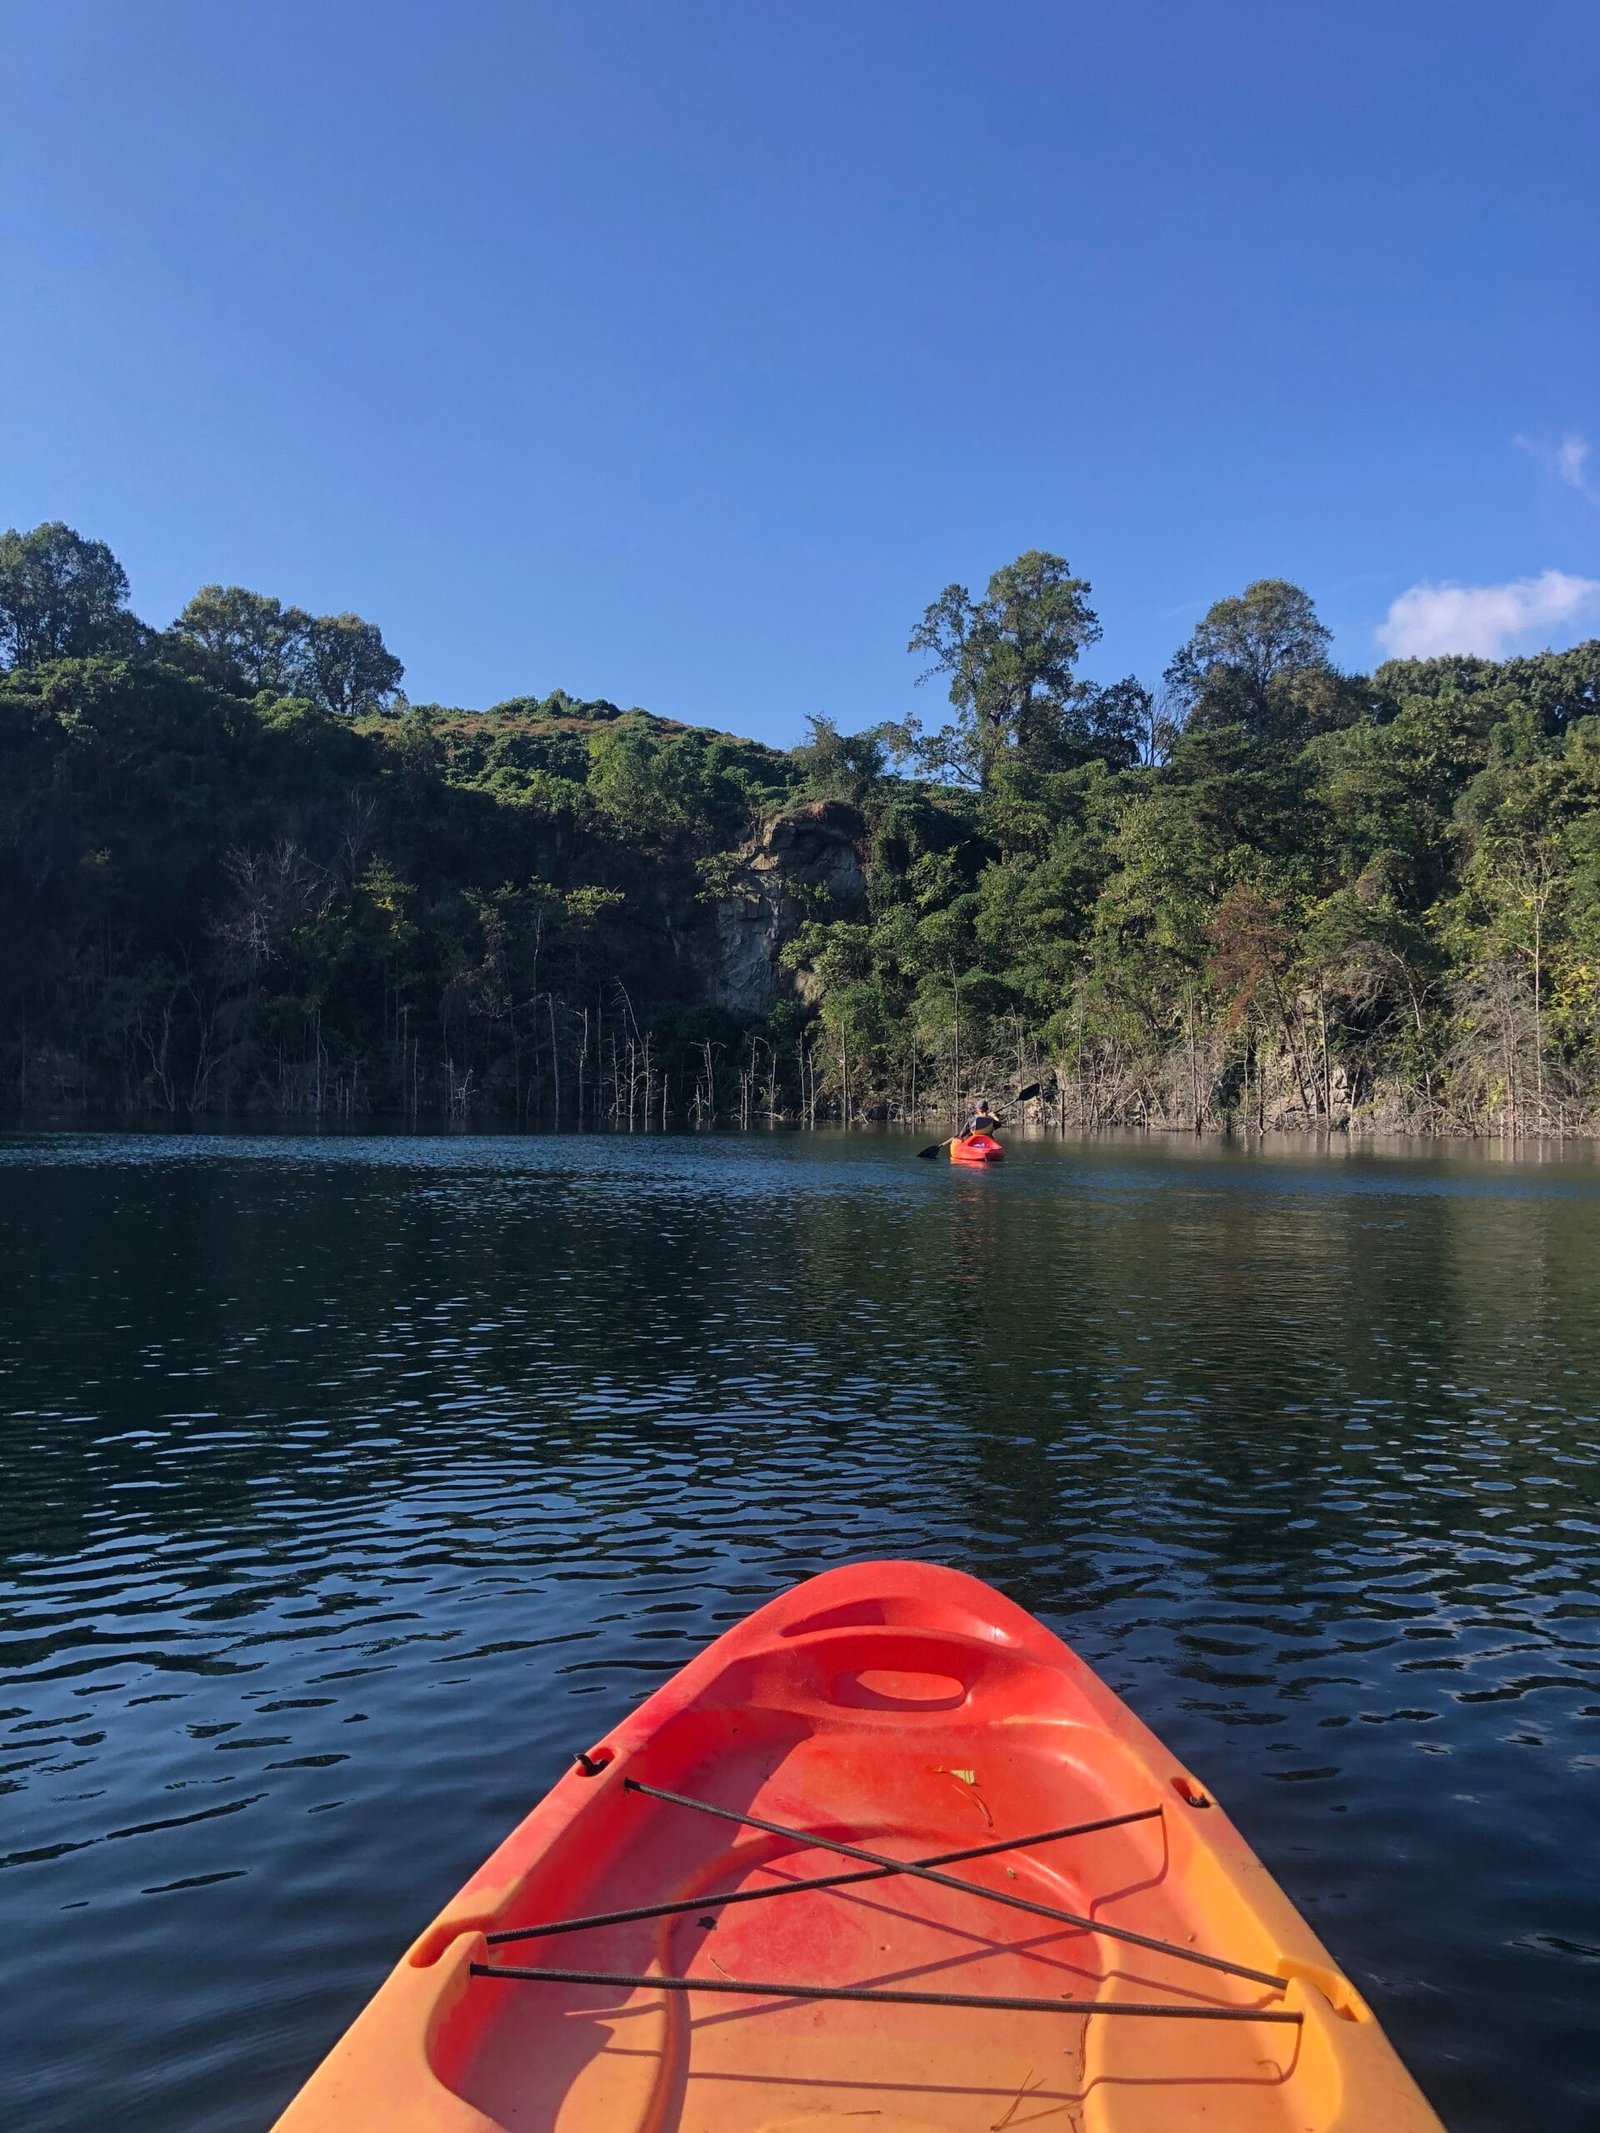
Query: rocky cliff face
[801,865]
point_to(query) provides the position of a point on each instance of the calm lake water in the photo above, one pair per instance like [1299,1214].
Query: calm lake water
[348,1485]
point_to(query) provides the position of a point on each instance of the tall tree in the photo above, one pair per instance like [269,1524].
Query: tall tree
[1009,658]
[1250,661]
[349,667]
[256,641]
[61,597]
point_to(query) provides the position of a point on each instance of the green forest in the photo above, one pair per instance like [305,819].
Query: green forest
[241,874]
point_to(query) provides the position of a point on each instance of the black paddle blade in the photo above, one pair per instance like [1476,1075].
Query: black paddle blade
[924,1153]
[1032,1089]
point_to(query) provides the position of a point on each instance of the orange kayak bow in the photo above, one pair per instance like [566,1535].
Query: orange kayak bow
[887,1851]
[976,1148]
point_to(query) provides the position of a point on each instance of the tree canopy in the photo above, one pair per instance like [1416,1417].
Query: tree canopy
[61,597]
[1254,661]
[1008,660]
[252,643]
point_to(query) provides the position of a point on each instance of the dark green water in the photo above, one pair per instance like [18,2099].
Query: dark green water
[348,1485]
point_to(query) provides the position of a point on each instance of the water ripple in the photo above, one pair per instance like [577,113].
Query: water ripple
[349,1484]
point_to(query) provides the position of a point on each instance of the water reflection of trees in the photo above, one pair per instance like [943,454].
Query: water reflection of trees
[1058,1358]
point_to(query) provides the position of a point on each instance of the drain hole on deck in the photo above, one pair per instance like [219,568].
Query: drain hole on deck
[882,1688]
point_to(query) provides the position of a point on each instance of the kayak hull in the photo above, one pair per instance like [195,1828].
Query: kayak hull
[976,1148]
[906,1712]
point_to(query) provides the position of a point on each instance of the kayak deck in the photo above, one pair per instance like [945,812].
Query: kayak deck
[730,2062]
[906,1724]
[976,1148]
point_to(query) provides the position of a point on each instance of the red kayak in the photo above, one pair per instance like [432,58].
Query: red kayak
[976,1148]
[888,1855]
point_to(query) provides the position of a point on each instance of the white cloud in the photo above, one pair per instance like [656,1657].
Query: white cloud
[1568,461]
[1572,455]
[1487,619]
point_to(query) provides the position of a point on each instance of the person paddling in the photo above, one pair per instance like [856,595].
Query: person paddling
[982,1121]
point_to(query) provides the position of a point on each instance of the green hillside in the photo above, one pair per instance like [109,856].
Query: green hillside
[240,873]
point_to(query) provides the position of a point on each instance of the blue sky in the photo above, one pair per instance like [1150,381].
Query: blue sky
[681,353]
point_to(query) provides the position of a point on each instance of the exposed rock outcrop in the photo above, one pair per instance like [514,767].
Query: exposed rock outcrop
[804,864]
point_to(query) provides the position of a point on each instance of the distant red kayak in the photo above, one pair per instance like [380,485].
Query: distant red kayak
[976,1148]
[889,1854]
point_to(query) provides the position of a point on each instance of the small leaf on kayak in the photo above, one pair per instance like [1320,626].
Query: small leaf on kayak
[969,1778]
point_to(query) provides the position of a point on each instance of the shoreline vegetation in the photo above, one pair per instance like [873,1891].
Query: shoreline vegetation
[241,876]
